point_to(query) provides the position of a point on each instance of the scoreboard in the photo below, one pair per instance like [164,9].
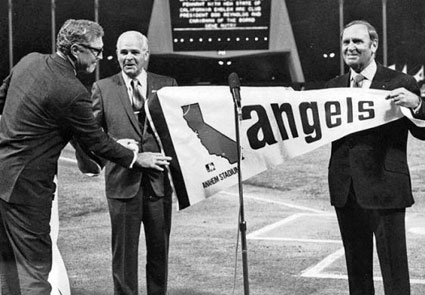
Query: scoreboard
[225,30]
[203,25]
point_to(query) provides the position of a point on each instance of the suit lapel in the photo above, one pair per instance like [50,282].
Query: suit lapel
[123,96]
[154,83]
[151,85]
[381,80]
[346,80]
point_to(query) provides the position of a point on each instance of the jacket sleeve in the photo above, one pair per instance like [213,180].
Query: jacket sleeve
[418,132]
[97,103]
[3,92]
[79,117]
[88,162]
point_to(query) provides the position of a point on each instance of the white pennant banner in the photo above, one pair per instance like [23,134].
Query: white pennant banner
[276,123]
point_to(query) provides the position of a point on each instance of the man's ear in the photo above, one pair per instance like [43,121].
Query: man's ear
[73,51]
[374,46]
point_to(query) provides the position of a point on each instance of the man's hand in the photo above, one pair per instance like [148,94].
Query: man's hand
[155,161]
[131,144]
[405,98]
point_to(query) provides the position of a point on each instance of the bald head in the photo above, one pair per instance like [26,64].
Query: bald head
[135,36]
[132,53]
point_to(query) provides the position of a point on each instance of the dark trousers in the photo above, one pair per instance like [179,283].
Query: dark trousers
[25,249]
[357,226]
[126,218]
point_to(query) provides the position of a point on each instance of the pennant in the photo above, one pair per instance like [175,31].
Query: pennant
[196,126]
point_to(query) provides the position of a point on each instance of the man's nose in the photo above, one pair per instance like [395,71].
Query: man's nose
[351,46]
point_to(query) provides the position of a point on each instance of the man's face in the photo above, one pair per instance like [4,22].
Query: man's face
[132,55]
[89,54]
[357,48]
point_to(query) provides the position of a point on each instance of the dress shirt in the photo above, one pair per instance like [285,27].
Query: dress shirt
[369,72]
[142,78]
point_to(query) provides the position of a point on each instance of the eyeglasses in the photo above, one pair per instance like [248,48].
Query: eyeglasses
[96,51]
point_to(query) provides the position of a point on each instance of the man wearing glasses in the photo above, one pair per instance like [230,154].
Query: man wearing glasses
[96,52]
[43,105]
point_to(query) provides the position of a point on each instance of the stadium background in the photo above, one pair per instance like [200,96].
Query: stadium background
[315,25]
[203,245]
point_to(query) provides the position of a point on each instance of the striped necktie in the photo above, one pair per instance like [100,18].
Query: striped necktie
[137,100]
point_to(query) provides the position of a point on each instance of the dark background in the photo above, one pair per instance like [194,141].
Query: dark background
[315,25]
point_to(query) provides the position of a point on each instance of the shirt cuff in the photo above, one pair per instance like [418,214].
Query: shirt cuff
[134,159]
[416,109]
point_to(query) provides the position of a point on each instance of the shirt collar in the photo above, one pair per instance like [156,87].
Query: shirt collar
[66,57]
[142,77]
[369,72]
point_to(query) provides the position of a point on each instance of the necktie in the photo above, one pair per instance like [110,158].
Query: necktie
[137,100]
[358,81]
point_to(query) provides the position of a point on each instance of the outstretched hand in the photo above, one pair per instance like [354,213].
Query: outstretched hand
[155,161]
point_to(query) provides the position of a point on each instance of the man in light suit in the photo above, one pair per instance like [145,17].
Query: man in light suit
[43,105]
[369,179]
[134,196]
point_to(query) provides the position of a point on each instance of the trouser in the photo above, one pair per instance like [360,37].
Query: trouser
[25,249]
[126,218]
[357,226]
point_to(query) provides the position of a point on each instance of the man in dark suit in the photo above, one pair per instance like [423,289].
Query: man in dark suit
[135,196]
[43,105]
[369,179]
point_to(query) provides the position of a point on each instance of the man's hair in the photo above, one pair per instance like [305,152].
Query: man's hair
[77,31]
[134,34]
[373,34]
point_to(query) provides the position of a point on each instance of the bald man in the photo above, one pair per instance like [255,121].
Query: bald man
[135,197]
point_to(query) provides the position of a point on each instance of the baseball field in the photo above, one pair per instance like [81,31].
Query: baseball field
[293,242]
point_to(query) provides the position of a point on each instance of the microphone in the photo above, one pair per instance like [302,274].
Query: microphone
[235,87]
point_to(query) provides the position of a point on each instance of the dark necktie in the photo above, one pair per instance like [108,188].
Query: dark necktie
[358,81]
[137,100]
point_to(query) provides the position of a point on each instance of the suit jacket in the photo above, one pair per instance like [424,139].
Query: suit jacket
[112,109]
[43,105]
[374,160]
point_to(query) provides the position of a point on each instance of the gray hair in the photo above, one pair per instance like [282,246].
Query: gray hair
[77,31]
[134,34]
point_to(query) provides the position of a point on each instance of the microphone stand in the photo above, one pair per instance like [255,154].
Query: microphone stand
[242,222]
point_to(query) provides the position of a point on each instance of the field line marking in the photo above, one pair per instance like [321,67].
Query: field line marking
[296,240]
[303,208]
[257,235]
[317,271]
[272,226]
[69,160]
[416,281]
[416,167]
[314,271]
